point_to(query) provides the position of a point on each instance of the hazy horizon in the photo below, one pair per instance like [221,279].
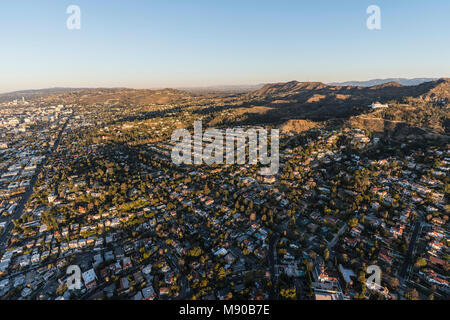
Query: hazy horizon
[215,86]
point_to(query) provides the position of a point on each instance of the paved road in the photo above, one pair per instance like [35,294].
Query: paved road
[299,287]
[336,237]
[21,205]
[412,243]
[272,262]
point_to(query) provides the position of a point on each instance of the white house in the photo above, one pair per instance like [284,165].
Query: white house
[377,105]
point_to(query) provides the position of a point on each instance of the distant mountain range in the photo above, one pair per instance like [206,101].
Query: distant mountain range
[318,92]
[30,94]
[376,82]
[280,94]
[40,91]
[218,88]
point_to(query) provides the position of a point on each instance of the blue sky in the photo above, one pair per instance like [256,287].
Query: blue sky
[173,43]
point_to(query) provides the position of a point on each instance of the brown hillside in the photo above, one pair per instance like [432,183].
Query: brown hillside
[299,126]
[311,92]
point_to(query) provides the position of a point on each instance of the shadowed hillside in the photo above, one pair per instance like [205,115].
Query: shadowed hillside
[313,92]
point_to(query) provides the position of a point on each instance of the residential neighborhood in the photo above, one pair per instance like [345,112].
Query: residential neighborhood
[94,187]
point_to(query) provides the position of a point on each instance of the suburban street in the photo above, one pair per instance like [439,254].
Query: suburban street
[272,265]
[26,196]
[412,243]
[336,237]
